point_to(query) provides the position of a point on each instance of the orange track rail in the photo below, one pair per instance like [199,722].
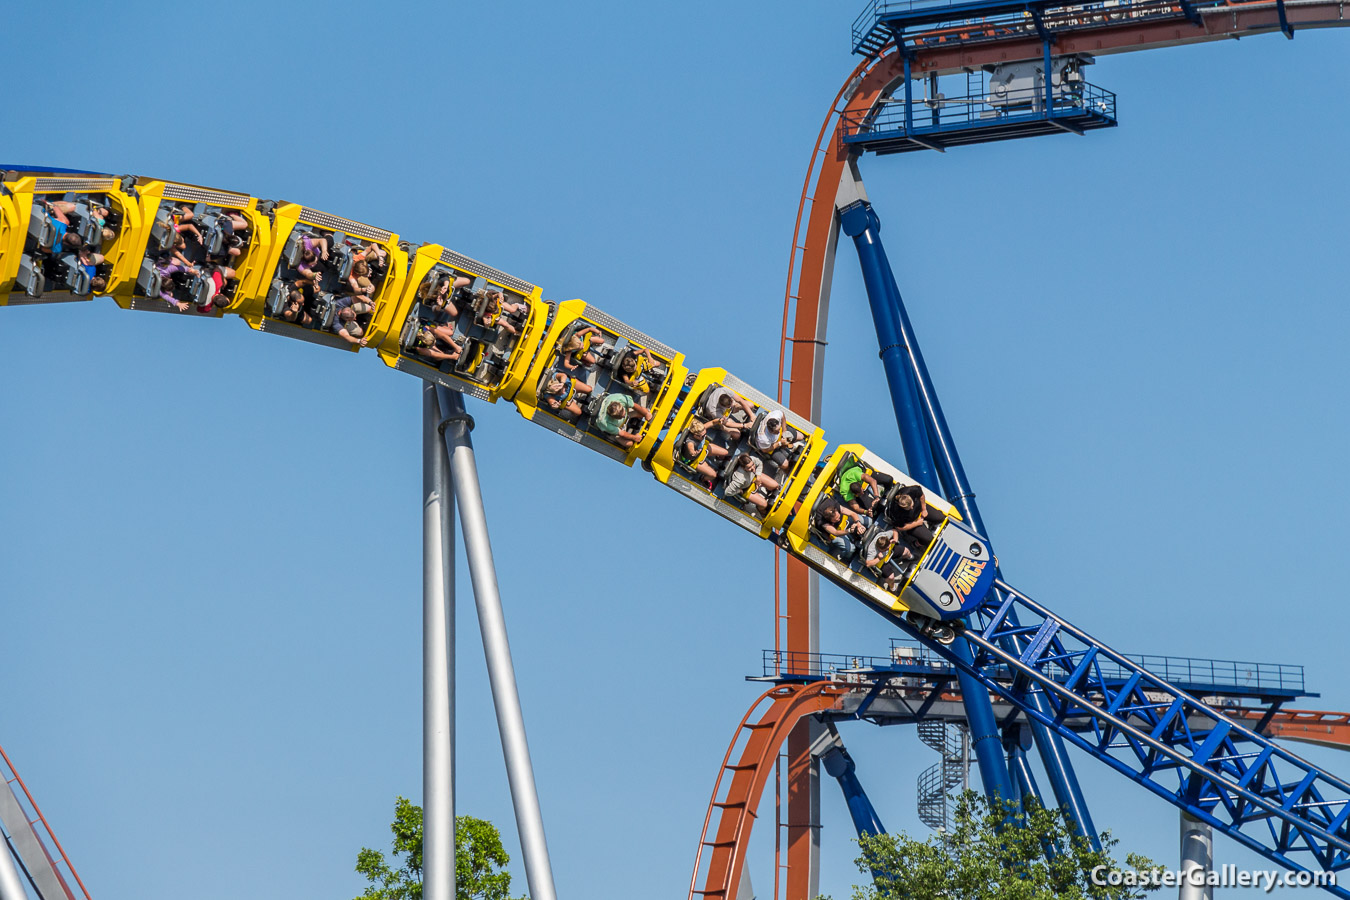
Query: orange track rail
[735,811]
[1327,729]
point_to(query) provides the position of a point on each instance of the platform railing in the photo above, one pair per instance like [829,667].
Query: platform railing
[1235,675]
[984,108]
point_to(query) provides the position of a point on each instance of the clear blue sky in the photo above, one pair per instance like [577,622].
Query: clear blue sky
[211,559]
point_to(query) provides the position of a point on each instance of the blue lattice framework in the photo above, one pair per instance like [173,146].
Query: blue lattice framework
[1220,771]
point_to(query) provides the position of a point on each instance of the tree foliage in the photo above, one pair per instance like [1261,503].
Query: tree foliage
[480,860]
[981,859]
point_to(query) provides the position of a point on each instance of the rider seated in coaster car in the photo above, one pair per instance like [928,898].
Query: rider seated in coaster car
[377,258]
[747,484]
[906,508]
[879,558]
[497,309]
[362,287]
[563,394]
[427,343]
[59,238]
[774,440]
[721,408]
[695,449]
[438,292]
[346,327]
[575,352]
[617,417]
[860,487]
[640,372]
[841,528]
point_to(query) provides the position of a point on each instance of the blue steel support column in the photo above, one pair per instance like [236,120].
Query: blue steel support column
[840,766]
[1022,774]
[860,223]
[1026,783]
[881,284]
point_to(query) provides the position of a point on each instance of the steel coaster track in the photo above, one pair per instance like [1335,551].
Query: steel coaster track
[1213,767]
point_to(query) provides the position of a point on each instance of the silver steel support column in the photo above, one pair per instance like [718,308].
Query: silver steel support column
[491,621]
[11,885]
[438,670]
[1197,856]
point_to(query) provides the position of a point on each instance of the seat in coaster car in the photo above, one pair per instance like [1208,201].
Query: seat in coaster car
[30,276]
[162,233]
[409,332]
[340,259]
[592,406]
[213,234]
[76,278]
[89,231]
[465,364]
[482,333]
[148,279]
[326,307]
[276,297]
[40,228]
[203,289]
[754,423]
[294,245]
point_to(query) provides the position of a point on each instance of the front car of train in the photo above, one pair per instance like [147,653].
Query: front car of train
[869,527]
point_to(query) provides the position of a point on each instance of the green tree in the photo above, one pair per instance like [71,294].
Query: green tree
[980,859]
[480,860]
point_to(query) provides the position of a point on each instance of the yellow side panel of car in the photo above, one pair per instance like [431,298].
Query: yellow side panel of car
[13,227]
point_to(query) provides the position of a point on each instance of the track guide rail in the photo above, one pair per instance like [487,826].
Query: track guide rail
[1215,768]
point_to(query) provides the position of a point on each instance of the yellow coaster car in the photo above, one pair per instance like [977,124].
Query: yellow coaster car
[869,527]
[332,281]
[601,383]
[464,325]
[735,451]
[66,237]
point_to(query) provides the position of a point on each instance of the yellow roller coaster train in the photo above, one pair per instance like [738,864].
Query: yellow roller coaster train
[161,246]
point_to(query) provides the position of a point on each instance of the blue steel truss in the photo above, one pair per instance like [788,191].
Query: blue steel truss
[1220,771]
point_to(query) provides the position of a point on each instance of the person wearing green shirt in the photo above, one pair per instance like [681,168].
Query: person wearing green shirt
[612,420]
[858,488]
